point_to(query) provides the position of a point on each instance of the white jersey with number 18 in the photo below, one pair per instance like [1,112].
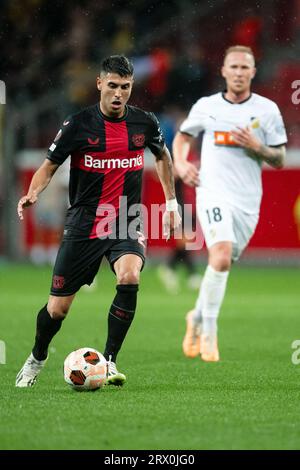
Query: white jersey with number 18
[227,170]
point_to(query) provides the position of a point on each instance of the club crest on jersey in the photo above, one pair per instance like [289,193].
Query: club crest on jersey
[138,140]
[255,124]
[93,142]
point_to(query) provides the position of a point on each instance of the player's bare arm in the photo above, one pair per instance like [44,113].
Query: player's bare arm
[164,168]
[186,170]
[39,182]
[273,155]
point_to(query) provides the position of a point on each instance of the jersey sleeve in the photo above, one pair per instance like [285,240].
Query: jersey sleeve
[155,140]
[194,123]
[64,142]
[275,132]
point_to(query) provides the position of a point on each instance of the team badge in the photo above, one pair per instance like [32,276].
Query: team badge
[138,140]
[58,282]
[93,142]
[255,124]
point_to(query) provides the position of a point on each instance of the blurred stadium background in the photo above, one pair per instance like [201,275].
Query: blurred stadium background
[49,60]
[50,53]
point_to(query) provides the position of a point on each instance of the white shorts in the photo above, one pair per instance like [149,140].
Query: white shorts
[221,222]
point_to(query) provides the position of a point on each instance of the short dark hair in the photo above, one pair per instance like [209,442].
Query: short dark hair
[117,64]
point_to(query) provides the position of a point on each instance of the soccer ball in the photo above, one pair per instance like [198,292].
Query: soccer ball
[85,369]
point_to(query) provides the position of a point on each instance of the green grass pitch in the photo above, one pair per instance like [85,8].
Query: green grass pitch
[249,400]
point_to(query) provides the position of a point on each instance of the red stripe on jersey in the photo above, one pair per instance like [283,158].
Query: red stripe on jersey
[116,136]
[108,206]
[115,162]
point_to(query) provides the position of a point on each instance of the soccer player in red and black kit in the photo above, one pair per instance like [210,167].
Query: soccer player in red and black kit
[106,142]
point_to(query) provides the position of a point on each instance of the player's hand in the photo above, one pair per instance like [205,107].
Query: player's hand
[141,239]
[188,172]
[26,201]
[171,221]
[245,138]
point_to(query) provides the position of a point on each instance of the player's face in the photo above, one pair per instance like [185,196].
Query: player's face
[238,71]
[115,92]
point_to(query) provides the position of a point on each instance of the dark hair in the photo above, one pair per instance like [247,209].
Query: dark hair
[117,64]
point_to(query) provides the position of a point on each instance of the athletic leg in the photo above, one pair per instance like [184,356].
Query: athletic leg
[122,310]
[211,297]
[48,323]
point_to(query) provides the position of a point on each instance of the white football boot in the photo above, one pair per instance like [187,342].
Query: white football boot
[113,376]
[29,372]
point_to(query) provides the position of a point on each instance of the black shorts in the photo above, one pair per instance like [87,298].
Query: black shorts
[78,262]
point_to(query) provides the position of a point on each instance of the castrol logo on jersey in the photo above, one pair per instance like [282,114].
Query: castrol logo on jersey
[111,163]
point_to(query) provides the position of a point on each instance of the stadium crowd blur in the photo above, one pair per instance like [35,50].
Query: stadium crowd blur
[176,48]
[51,49]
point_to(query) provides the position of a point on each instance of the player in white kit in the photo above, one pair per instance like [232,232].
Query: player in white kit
[241,131]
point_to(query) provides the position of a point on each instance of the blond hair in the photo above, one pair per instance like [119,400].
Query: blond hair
[245,49]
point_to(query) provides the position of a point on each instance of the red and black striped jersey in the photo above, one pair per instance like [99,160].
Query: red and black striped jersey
[107,160]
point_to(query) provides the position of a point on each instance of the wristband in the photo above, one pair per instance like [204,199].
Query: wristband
[171,205]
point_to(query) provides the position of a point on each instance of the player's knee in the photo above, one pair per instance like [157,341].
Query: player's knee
[58,311]
[129,276]
[58,314]
[223,263]
[221,260]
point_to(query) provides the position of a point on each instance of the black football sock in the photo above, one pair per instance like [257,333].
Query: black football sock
[46,328]
[120,316]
